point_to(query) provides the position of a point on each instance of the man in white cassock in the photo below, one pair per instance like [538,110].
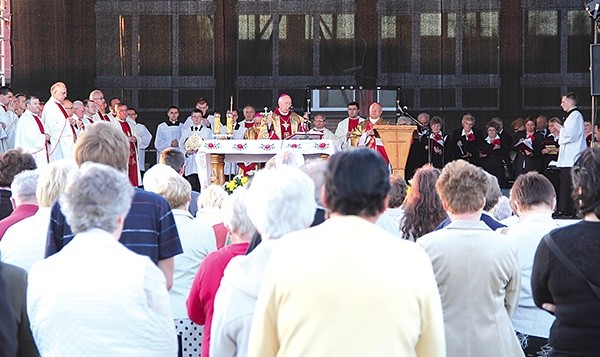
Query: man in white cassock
[56,118]
[196,162]
[168,132]
[31,134]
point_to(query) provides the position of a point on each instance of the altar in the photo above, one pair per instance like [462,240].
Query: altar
[215,153]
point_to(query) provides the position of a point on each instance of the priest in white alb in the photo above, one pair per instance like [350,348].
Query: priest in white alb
[31,133]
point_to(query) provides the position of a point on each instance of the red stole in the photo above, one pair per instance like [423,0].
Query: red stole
[285,123]
[373,145]
[62,109]
[132,162]
[248,124]
[41,127]
[103,116]
[352,124]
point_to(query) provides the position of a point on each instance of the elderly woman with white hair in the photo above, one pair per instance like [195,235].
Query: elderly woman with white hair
[279,201]
[209,211]
[197,240]
[25,242]
[96,296]
[200,302]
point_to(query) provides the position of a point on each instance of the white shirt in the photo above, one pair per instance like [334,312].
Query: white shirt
[526,236]
[342,130]
[24,243]
[571,139]
[197,240]
[164,135]
[29,137]
[145,138]
[59,128]
[4,119]
[97,298]
[190,162]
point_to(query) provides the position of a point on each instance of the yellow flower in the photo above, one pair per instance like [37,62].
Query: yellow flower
[244,180]
[231,185]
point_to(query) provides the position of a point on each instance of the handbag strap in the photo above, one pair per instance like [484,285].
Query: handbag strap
[569,264]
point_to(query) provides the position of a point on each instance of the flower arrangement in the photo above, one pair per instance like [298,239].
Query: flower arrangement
[234,183]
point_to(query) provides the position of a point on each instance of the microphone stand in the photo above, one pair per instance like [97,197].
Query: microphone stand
[422,129]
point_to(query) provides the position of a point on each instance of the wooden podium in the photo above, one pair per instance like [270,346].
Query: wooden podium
[396,140]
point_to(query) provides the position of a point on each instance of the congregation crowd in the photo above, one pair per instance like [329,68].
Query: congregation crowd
[311,257]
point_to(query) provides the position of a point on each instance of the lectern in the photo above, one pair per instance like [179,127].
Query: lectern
[396,140]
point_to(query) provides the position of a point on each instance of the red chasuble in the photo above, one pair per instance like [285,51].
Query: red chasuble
[132,162]
[286,124]
[373,145]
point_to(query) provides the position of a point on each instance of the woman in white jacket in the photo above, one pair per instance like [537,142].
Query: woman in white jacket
[96,297]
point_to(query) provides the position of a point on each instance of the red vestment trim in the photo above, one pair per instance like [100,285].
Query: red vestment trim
[132,162]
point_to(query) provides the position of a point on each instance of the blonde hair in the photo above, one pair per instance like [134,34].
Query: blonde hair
[176,190]
[462,187]
[103,143]
[52,181]
[468,117]
[212,196]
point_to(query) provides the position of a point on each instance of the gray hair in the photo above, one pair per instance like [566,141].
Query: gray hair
[235,214]
[502,209]
[30,98]
[288,157]
[315,169]
[493,192]
[95,197]
[24,185]
[156,175]
[403,120]
[281,201]
[78,103]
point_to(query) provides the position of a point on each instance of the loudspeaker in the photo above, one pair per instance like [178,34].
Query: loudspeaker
[595,69]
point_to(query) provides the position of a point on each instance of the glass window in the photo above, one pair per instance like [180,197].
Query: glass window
[108,46]
[541,50]
[295,45]
[578,43]
[196,39]
[125,45]
[396,44]
[541,97]
[255,45]
[479,97]
[155,98]
[438,98]
[438,43]
[156,45]
[336,47]
[480,43]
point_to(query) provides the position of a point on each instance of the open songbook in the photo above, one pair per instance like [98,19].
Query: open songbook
[306,135]
[551,146]
[524,145]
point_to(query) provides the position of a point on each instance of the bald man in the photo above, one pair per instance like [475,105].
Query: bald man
[365,135]
[56,118]
[283,123]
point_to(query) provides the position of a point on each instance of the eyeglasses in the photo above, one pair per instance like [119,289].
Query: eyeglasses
[98,98]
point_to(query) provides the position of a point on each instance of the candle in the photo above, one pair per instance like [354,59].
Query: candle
[217,124]
[229,123]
